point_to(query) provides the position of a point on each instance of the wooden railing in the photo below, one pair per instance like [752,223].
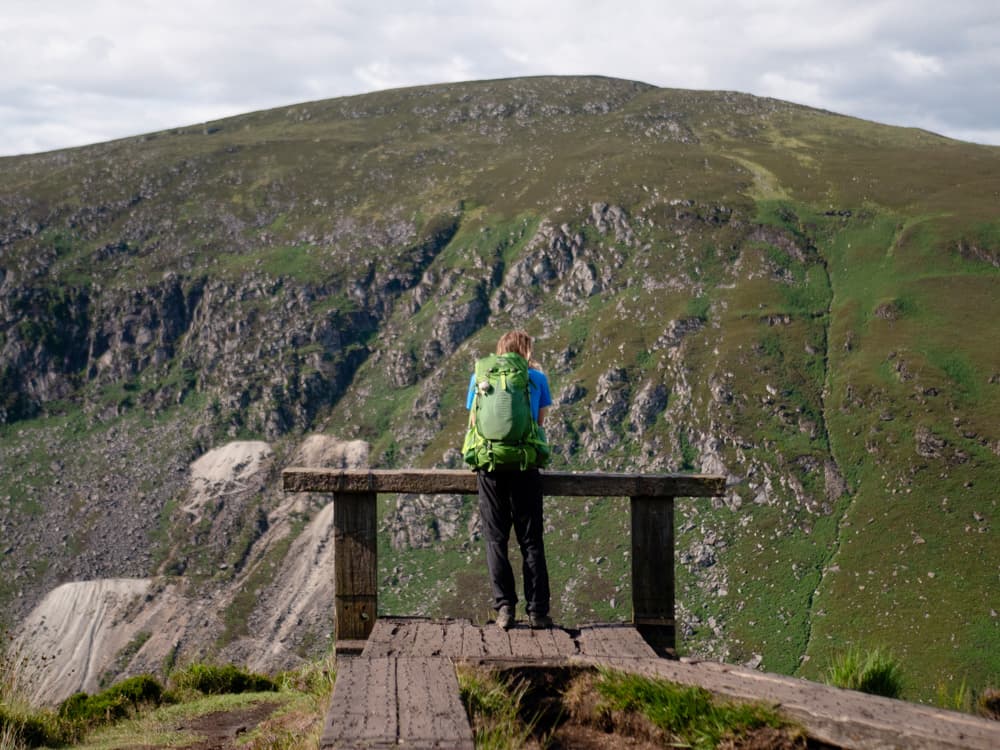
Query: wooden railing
[355,527]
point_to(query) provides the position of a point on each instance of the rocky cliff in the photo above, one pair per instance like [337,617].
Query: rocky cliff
[85,633]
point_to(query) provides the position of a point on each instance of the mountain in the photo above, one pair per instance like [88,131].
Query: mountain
[802,301]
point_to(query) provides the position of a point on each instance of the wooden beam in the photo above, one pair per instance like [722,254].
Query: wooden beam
[653,572]
[463,482]
[355,565]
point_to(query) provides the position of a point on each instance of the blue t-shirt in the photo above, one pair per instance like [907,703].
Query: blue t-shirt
[538,391]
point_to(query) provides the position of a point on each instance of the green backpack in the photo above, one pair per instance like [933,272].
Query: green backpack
[502,434]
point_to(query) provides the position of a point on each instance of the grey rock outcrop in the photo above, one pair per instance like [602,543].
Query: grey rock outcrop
[86,632]
[648,404]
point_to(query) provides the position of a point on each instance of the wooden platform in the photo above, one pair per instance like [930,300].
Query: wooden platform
[402,690]
[382,702]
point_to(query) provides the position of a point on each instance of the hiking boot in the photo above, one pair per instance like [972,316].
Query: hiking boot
[539,622]
[505,617]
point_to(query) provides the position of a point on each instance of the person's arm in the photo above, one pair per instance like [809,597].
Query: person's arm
[544,399]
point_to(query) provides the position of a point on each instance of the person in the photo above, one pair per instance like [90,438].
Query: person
[514,498]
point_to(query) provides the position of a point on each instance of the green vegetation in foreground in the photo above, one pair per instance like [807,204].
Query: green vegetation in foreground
[687,714]
[219,680]
[139,711]
[876,672]
[507,710]
[494,707]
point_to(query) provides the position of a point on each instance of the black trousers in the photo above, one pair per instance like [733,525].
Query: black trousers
[506,499]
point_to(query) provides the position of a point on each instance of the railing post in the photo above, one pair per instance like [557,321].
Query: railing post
[653,571]
[355,566]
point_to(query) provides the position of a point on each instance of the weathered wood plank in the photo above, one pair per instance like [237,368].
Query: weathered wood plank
[496,642]
[473,643]
[614,641]
[389,702]
[405,636]
[362,710]
[555,642]
[402,637]
[429,639]
[563,642]
[592,642]
[453,636]
[355,566]
[653,571]
[381,639]
[844,718]
[457,481]
[431,714]
[523,642]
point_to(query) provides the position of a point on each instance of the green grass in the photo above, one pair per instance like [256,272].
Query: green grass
[510,709]
[213,679]
[955,697]
[689,715]
[113,703]
[164,726]
[495,709]
[875,671]
[138,711]
[699,307]
[965,382]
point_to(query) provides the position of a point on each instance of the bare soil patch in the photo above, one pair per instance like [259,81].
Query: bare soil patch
[221,729]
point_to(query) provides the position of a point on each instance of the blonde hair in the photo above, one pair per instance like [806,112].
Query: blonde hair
[518,342]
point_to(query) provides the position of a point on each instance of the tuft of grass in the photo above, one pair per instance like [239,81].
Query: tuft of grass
[699,307]
[118,701]
[876,672]
[20,726]
[221,680]
[957,698]
[689,714]
[494,709]
[314,679]
[689,453]
[19,729]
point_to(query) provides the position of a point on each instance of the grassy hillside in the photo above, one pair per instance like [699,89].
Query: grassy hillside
[803,301]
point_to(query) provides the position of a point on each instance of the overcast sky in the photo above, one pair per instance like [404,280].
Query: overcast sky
[75,72]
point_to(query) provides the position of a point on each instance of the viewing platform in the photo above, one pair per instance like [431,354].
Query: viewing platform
[402,690]
[396,683]
[355,526]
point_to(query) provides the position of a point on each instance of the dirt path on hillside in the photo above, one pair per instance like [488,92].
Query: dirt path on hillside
[221,730]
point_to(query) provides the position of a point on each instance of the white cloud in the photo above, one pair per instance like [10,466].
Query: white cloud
[915,65]
[789,88]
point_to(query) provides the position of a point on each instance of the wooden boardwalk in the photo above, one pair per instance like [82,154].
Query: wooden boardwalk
[401,691]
